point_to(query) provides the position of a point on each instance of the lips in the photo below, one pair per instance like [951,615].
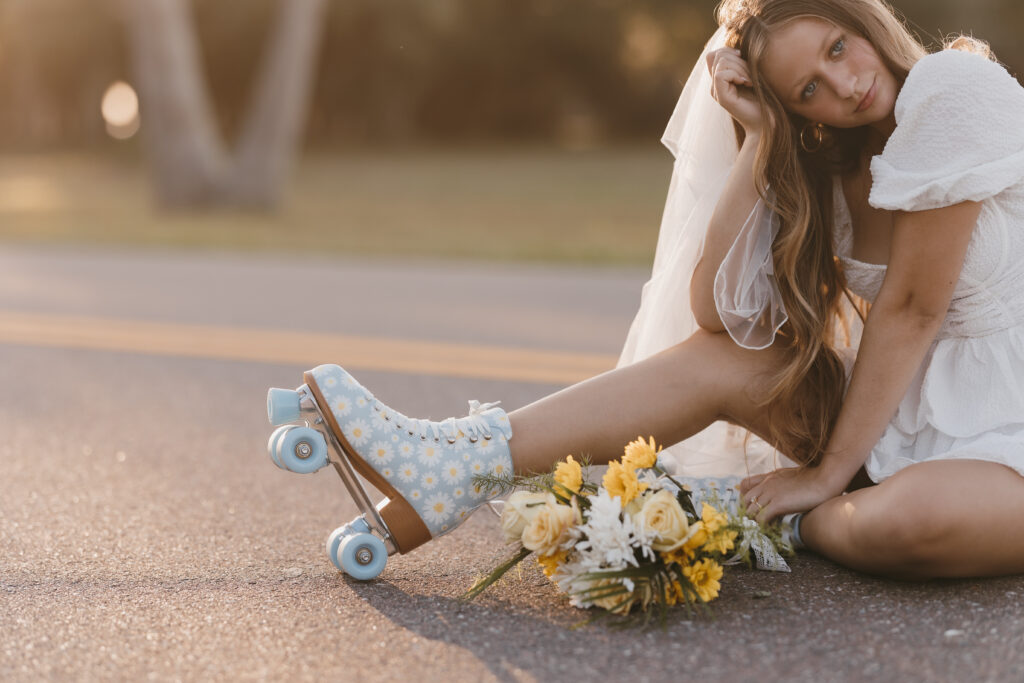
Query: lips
[868,98]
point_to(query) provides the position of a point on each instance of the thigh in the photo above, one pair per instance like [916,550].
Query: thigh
[940,518]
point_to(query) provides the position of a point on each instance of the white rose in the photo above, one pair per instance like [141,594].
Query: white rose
[663,514]
[546,531]
[520,509]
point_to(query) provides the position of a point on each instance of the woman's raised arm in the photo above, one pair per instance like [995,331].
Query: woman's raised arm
[730,77]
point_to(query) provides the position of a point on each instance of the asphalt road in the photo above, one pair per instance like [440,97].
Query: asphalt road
[144,533]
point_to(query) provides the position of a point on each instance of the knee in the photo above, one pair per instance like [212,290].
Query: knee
[902,532]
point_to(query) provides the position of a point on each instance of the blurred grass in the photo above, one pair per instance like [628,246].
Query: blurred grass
[522,205]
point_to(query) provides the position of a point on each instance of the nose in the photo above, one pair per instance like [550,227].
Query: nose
[845,85]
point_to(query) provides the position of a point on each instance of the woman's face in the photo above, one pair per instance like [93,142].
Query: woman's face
[828,74]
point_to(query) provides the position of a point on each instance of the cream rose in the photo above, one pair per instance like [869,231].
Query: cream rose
[549,527]
[663,514]
[520,509]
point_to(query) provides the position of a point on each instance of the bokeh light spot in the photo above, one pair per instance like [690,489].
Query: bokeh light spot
[120,110]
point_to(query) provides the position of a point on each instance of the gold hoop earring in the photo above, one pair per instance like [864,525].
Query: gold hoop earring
[816,132]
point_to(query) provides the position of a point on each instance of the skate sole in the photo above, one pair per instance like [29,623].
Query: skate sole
[404,524]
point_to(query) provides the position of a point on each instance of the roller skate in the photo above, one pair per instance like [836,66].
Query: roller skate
[424,469]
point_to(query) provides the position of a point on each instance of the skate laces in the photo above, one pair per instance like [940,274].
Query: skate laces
[474,425]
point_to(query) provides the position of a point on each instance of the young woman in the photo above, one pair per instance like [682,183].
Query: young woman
[853,166]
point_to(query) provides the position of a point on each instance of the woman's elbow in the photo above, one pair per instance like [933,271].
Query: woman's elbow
[706,314]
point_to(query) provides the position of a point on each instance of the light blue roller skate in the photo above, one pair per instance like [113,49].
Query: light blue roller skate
[425,469]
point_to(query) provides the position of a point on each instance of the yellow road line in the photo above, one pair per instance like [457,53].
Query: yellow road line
[302,348]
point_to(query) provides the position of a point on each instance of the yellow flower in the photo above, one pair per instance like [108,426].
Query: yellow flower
[569,474]
[721,542]
[550,563]
[547,530]
[674,593]
[621,481]
[617,603]
[703,576]
[713,519]
[640,454]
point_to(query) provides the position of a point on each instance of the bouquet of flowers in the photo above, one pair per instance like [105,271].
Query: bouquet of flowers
[637,540]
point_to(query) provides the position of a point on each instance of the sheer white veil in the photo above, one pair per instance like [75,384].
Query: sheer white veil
[702,139]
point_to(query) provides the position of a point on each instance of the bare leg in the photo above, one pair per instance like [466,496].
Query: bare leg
[670,396]
[942,518]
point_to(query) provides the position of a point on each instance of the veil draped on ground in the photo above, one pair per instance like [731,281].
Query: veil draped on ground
[701,137]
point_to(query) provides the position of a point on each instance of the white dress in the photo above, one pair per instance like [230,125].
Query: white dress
[959,136]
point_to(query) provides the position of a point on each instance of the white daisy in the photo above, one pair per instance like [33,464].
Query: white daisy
[358,432]
[477,467]
[330,382]
[458,492]
[484,445]
[499,467]
[341,405]
[438,508]
[430,454]
[407,472]
[378,421]
[387,472]
[452,472]
[463,512]
[466,457]
[381,452]
[361,402]
[406,449]
[429,480]
[477,491]
[415,495]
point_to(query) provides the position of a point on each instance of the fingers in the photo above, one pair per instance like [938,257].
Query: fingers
[726,65]
[751,482]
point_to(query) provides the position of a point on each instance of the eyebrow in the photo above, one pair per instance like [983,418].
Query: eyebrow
[825,45]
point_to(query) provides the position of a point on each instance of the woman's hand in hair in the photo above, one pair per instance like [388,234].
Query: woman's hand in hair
[733,89]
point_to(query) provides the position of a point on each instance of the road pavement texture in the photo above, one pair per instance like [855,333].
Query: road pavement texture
[145,534]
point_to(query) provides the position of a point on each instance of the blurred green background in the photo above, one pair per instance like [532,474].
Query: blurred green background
[493,129]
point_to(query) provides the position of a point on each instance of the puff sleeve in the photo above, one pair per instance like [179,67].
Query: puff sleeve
[959,135]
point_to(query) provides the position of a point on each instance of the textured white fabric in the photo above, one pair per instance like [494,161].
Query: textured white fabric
[959,136]
[702,139]
[747,296]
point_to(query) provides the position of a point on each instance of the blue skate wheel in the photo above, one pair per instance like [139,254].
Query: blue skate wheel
[356,526]
[302,450]
[362,556]
[275,437]
[282,406]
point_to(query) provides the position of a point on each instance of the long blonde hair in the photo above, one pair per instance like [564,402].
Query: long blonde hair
[810,385]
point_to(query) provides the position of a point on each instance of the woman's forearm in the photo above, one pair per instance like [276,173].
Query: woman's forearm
[734,206]
[892,348]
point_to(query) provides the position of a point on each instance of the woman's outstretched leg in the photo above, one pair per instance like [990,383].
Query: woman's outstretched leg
[670,396]
[428,469]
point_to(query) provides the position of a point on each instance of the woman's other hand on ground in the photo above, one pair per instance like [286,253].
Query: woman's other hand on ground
[791,489]
[731,87]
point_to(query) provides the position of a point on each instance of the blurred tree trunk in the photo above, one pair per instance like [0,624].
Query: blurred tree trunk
[190,162]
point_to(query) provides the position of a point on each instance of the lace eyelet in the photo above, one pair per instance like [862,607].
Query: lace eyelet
[422,438]
[451,439]
[473,439]
[437,439]
[488,437]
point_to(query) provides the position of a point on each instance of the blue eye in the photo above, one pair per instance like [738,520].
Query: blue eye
[837,49]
